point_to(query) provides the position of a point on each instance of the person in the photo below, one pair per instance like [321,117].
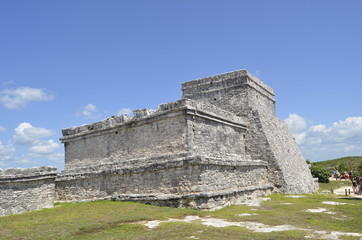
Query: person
[346,176]
[337,176]
[354,186]
[350,174]
[334,173]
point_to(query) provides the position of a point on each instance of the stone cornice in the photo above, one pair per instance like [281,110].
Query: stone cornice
[147,166]
[27,174]
[228,79]
[165,197]
[164,111]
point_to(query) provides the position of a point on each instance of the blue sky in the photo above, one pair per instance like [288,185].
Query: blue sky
[68,63]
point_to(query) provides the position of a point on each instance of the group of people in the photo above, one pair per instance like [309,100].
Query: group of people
[356,182]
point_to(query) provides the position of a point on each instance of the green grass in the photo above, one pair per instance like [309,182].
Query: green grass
[333,185]
[121,220]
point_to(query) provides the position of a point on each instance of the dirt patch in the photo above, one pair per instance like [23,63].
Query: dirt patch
[193,237]
[331,235]
[334,203]
[258,227]
[254,226]
[320,210]
[294,196]
[316,210]
[246,214]
[255,202]
[156,223]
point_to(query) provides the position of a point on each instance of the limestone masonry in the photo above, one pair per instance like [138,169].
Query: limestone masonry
[24,190]
[221,144]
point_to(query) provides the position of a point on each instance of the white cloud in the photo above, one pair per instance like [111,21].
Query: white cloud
[2,129]
[321,142]
[349,148]
[18,98]
[348,128]
[7,83]
[44,148]
[299,137]
[296,123]
[26,134]
[56,157]
[24,160]
[125,111]
[319,128]
[6,152]
[34,148]
[89,111]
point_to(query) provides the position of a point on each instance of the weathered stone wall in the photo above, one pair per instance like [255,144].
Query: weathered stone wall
[266,137]
[182,127]
[207,158]
[213,139]
[283,155]
[238,92]
[139,137]
[219,145]
[24,190]
[170,181]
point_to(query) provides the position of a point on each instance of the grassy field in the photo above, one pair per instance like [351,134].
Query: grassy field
[333,185]
[350,162]
[121,220]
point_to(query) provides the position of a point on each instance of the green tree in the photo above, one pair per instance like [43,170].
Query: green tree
[359,169]
[342,168]
[322,174]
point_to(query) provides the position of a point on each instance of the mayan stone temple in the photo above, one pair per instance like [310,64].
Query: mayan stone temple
[221,144]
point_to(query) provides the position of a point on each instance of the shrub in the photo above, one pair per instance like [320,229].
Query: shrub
[354,175]
[342,168]
[359,169]
[322,174]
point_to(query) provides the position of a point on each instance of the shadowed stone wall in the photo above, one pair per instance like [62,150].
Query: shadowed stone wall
[267,137]
[190,154]
[187,182]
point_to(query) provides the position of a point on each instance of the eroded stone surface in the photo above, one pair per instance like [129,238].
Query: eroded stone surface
[258,227]
[24,190]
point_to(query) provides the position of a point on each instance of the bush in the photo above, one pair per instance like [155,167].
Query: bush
[342,168]
[322,174]
[359,169]
[354,175]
